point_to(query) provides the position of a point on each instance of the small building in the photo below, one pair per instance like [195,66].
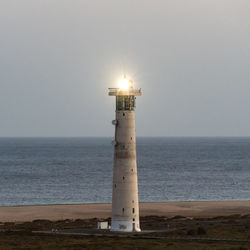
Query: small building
[102,225]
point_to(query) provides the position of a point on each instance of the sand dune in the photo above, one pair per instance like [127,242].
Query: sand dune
[84,211]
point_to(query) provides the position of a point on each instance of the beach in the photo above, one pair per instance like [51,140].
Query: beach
[194,209]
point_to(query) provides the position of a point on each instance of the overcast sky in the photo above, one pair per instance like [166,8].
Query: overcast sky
[190,57]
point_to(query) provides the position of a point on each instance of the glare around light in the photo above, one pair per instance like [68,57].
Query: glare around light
[124,83]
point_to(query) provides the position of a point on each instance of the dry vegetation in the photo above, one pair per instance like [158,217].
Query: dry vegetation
[231,232]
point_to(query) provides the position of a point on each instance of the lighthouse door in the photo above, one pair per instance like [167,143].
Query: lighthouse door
[133,227]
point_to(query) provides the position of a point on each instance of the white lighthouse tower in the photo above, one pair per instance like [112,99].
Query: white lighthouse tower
[125,205]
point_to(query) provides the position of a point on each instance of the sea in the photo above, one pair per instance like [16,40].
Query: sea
[79,170]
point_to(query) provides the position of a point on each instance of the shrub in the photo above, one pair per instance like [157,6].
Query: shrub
[191,232]
[201,231]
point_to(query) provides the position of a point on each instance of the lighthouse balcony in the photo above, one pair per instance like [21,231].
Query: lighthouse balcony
[121,92]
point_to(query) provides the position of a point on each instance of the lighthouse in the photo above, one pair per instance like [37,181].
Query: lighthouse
[125,204]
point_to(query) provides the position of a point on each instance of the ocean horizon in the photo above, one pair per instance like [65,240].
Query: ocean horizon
[76,170]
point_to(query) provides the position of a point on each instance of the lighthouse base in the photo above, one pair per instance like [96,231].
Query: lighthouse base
[125,226]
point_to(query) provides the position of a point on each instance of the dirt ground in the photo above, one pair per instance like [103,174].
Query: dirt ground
[86,211]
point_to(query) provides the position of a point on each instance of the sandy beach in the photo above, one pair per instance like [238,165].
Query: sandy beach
[85,211]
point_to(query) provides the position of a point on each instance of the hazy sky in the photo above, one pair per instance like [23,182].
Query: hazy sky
[190,57]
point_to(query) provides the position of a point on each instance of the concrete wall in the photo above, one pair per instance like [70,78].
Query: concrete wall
[125,207]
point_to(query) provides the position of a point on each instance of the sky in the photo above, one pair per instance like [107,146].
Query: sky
[59,57]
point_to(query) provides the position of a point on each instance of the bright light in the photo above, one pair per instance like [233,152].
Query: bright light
[124,83]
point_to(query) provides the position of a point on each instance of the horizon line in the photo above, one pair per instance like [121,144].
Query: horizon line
[139,136]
